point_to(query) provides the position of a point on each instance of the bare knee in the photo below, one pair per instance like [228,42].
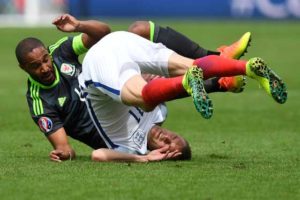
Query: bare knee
[99,155]
[132,93]
[141,28]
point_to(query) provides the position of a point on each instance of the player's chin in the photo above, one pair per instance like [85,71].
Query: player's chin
[49,79]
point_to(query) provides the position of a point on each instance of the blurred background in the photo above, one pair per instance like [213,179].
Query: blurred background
[39,12]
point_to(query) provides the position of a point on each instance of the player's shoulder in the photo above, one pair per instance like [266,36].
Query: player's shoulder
[68,46]
[65,43]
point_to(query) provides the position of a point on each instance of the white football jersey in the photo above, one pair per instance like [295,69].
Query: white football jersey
[106,67]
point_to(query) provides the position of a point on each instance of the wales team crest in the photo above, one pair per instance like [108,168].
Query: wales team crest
[68,69]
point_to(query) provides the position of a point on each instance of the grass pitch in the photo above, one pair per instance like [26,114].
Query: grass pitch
[250,149]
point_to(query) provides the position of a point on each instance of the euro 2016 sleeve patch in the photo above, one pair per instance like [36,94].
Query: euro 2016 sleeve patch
[45,124]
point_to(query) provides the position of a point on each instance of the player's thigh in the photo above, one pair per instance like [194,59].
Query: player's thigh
[178,65]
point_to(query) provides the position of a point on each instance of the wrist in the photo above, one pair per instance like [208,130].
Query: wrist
[78,26]
[142,158]
[67,155]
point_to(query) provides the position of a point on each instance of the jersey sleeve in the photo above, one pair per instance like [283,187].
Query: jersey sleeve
[68,48]
[78,45]
[44,116]
[48,123]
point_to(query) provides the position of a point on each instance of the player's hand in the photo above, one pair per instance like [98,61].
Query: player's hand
[59,155]
[162,154]
[55,155]
[66,23]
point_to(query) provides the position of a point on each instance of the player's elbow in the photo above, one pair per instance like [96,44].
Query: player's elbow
[99,155]
[106,29]
[99,32]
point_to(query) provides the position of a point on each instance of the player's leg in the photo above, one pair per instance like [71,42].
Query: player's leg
[217,66]
[148,95]
[184,45]
[158,59]
[171,39]
[188,48]
[136,92]
[148,57]
[166,89]
[213,66]
[161,59]
[254,68]
[160,90]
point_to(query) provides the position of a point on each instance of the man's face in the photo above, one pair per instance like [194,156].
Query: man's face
[159,137]
[38,64]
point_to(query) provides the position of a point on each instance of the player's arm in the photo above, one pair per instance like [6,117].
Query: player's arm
[110,155]
[62,149]
[92,30]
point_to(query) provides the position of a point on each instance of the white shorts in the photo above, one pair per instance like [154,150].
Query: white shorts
[106,67]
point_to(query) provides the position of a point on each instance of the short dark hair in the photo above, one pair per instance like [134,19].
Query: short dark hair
[186,152]
[25,46]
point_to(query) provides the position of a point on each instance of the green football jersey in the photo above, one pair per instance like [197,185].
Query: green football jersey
[60,104]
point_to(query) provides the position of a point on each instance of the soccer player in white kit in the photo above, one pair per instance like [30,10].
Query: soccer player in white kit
[117,94]
[108,68]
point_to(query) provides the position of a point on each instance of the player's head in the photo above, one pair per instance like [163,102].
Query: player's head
[159,137]
[34,58]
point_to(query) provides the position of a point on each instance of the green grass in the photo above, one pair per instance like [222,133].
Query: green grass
[250,149]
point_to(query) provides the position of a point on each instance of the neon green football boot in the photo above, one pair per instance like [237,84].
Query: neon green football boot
[257,69]
[194,85]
